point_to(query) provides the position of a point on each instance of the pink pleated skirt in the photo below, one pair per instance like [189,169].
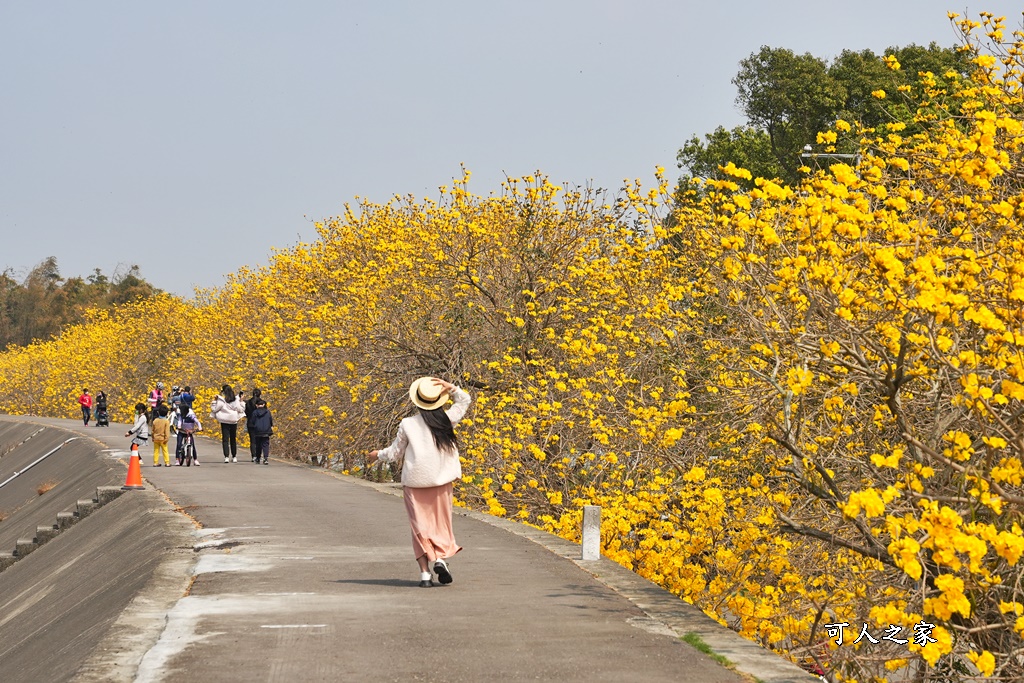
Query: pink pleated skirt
[430,516]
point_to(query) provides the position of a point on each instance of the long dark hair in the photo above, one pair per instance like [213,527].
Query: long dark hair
[441,429]
[228,392]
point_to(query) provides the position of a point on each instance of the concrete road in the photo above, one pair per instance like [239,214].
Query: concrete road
[302,575]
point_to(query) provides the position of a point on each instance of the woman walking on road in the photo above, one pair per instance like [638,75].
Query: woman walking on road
[155,398]
[427,443]
[228,411]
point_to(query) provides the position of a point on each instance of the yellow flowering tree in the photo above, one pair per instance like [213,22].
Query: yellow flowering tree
[874,341]
[799,407]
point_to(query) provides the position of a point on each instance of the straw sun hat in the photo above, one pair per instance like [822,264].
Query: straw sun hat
[427,395]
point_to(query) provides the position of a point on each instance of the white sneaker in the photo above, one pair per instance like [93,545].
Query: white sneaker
[234,459]
[441,569]
[226,460]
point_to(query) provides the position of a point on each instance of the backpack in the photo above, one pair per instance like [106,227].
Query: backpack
[188,424]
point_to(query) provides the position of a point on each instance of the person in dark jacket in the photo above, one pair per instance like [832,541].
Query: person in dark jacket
[250,408]
[102,418]
[261,427]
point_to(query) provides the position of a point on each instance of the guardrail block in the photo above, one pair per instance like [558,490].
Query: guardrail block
[25,546]
[85,507]
[105,494]
[65,520]
[46,533]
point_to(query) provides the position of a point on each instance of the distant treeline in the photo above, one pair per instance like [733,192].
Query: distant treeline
[41,304]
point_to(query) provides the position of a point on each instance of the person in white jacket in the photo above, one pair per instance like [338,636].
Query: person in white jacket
[427,444]
[228,411]
[140,429]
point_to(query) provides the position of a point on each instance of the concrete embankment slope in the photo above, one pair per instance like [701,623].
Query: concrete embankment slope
[59,602]
[73,470]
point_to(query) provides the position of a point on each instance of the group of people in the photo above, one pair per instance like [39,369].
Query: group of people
[86,401]
[160,420]
[426,445]
[229,410]
[163,415]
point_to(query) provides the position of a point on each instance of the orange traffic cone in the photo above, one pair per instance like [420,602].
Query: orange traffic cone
[134,480]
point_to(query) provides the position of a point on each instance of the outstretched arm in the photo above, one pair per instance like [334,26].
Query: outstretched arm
[391,453]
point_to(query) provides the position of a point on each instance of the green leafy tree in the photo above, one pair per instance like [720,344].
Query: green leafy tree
[788,99]
[745,146]
[129,286]
[860,74]
[44,302]
[8,290]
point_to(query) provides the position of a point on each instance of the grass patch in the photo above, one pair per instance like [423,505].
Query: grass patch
[46,486]
[698,643]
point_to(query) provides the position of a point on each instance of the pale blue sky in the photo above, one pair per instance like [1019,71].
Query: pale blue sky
[191,137]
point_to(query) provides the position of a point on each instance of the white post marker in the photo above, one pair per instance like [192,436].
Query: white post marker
[591,532]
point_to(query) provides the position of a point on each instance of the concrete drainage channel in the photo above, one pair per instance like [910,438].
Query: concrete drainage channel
[65,520]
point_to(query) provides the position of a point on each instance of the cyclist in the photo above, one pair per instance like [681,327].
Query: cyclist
[155,398]
[186,423]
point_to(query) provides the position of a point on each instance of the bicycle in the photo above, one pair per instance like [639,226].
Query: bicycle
[187,454]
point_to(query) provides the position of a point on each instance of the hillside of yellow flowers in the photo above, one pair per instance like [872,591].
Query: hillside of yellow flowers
[800,408]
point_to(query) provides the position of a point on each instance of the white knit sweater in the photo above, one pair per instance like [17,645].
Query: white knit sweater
[425,465]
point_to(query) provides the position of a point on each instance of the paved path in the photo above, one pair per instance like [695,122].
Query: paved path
[303,575]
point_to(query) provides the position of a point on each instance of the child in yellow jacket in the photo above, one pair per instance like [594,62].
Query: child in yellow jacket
[161,434]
